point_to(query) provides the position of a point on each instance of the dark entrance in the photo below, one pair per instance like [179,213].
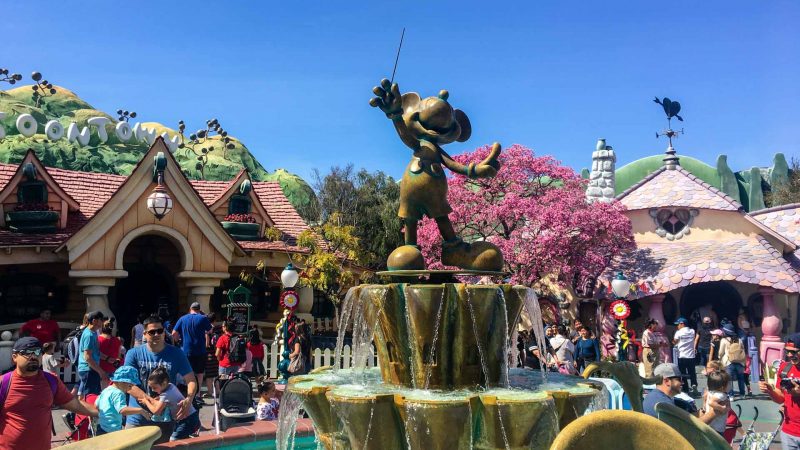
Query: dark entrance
[150,287]
[717,299]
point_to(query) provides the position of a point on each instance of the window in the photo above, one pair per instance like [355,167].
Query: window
[24,296]
[673,223]
[239,204]
[323,307]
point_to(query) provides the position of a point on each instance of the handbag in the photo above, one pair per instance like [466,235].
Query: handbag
[297,365]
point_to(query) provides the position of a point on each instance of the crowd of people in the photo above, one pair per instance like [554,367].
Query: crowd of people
[157,381]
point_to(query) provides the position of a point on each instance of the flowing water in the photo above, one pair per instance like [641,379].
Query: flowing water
[432,358]
[344,322]
[506,346]
[363,330]
[287,420]
[407,293]
[531,305]
[484,367]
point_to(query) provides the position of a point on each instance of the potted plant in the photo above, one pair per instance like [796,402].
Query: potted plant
[32,218]
[242,227]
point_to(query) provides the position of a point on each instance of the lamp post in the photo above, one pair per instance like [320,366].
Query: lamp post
[620,310]
[289,301]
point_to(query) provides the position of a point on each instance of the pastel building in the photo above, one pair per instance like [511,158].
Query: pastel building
[74,241]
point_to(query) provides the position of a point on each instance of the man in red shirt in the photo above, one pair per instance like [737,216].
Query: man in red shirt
[25,414]
[787,392]
[44,328]
[226,367]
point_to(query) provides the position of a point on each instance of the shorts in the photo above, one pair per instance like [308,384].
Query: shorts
[232,370]
[186,427]
[89,383]
[198,363]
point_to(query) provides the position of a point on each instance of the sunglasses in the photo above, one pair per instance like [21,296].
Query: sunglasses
[792,352]
[155,332]
[30,353]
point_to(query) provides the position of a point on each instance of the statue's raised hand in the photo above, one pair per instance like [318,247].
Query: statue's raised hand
[388,99]
[489,166]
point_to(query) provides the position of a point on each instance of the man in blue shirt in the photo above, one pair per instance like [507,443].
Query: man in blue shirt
[89,371]
[669,387]
[192,331]
[157,353]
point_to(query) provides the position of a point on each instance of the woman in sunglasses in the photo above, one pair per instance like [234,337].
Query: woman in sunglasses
[157,353]
[786,391]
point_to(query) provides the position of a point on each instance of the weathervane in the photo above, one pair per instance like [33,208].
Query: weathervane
[671,109]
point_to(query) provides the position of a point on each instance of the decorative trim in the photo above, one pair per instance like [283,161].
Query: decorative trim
[683,231]
[192,274]
[98,273]
[187,257]
[132,189]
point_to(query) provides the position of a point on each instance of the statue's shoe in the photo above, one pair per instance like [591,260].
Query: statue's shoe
[406,257]
[479,255]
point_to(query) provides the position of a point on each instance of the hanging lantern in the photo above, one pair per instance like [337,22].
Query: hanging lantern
[620,285]
[159,203]
[290,276]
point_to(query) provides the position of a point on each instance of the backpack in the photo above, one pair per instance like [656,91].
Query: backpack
[71,344]
[736,353]
[237,349]
[5,385]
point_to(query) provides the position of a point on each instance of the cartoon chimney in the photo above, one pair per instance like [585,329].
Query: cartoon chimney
[601,178]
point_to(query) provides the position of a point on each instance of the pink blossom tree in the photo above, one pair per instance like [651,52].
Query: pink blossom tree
[535,211]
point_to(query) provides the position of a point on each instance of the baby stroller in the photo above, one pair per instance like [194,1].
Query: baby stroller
[759,441]
[235,403]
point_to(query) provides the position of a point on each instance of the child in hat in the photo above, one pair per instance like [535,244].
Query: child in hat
[112,404]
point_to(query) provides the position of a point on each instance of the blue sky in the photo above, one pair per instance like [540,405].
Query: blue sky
[292,79]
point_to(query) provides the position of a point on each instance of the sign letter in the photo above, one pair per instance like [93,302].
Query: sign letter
[123,131]
[74,135]
[54,130]
[100,123]
[26,125]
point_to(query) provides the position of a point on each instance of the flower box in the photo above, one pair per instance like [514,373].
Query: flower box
[32,221]
[243,231]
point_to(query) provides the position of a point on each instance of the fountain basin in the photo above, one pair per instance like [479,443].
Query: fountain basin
[354,409]
[441,336]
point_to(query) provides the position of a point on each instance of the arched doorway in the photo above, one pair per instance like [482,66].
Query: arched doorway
[150,287]
[717,299]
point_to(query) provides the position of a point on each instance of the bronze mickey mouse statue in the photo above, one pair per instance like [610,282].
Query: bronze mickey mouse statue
[424,125]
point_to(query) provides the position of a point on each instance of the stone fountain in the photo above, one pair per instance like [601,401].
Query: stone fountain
[443,380]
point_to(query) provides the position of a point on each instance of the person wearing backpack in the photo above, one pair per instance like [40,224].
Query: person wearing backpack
[27,395]
[231,351]
[733,356]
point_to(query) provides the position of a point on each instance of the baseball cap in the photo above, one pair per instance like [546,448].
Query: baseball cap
[195,306]
[94,315]
[26,343]
[667,370]
[718,332]
[792,342]
[126,374]
[682,320]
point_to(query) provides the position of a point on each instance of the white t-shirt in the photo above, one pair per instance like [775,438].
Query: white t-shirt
[718,423]
[685,345]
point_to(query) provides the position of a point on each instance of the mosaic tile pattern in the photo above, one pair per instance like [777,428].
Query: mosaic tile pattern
[672,188]
[92,191]
[672,265]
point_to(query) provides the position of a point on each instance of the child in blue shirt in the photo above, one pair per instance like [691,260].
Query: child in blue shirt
[165,407]
[111,403]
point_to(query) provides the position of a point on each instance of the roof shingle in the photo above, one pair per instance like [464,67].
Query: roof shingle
[675,188]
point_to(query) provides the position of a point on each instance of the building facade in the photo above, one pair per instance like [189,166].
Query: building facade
[77,241]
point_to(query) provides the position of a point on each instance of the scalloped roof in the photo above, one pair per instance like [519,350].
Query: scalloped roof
[676,188]
[671,265]
[784,219]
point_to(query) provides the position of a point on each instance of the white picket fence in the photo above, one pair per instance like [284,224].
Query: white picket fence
[320,357]
[272,356]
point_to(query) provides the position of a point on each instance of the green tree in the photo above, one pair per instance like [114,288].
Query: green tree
[367,202]
[788,192]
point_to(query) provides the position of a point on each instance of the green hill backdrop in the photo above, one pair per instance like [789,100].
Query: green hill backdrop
[118,157]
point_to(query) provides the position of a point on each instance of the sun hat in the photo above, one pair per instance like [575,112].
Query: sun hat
[125,374]
[718,332]
[728,329]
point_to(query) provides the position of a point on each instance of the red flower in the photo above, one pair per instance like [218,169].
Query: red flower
[241,218]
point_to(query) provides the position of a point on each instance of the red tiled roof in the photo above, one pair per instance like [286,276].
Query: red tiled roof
[92,191]
[675,187]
